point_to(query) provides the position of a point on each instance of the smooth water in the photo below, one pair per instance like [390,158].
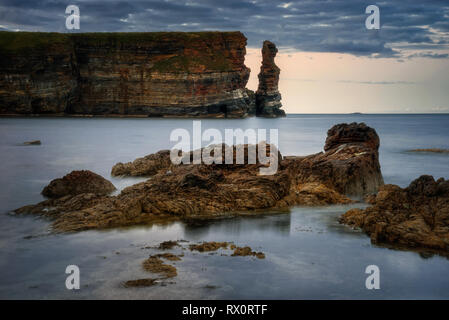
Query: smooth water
[308,254]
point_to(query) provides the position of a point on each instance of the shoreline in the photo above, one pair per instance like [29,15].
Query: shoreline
[144,116]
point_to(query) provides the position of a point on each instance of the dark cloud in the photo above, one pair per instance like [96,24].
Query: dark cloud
[307,25]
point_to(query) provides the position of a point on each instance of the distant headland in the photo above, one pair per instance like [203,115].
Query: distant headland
[155,74]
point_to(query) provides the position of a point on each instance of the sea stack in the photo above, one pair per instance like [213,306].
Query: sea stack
[268,98]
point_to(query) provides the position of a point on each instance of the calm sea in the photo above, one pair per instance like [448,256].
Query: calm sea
[308,254]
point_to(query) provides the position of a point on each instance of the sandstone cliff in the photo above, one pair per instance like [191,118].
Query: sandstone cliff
[197,74]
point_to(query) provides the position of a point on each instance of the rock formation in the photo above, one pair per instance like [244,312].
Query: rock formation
[268,98]
[415,217]
[78,182]
[146,166]
[189,191]
[175,74]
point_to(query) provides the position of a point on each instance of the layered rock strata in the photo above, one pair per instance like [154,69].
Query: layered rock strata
[174,74]
[415,217]
[189,191]
[268,98]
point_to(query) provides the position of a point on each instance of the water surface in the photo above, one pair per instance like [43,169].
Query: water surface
[308,254]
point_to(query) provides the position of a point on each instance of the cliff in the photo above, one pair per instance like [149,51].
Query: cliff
[197,74]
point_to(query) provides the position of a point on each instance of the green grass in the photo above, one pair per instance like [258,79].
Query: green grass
[17,42]
[23,42]
[133,37]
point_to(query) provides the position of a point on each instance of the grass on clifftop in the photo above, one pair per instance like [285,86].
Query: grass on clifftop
[17,42]
[23,42]
[133,37]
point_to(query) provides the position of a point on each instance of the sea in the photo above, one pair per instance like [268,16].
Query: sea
[308,254]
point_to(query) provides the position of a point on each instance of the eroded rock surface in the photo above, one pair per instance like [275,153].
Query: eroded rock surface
[155,264]
[412,217]
[237,251]
[247,251]
[209,191]
[350,163]
[78,182]
[268,98]
[147,282]
[208,246]
[146,166]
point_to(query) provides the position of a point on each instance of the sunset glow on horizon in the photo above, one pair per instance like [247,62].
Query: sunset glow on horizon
[316,82]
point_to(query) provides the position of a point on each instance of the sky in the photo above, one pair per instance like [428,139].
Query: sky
[330,62]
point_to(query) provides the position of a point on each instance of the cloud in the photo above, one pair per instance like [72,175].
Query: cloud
[306,25]
[429,55]
[440,109]
[378,82]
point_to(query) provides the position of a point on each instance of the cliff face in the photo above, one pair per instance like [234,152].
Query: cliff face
[156,74]
[37,73]
[268,98]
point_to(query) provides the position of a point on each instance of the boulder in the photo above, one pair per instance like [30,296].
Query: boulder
[78,182]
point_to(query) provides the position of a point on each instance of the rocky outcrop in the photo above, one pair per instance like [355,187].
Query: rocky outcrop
[350,162]
[197,191]
[415,217]
[168,74]
[268,98]
[349,165]
[78,182]
[353,133]
[146,166]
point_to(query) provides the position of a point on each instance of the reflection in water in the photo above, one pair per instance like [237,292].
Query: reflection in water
[272,223]
[308,253]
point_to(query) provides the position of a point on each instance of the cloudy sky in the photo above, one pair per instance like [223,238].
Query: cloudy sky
[330,62]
